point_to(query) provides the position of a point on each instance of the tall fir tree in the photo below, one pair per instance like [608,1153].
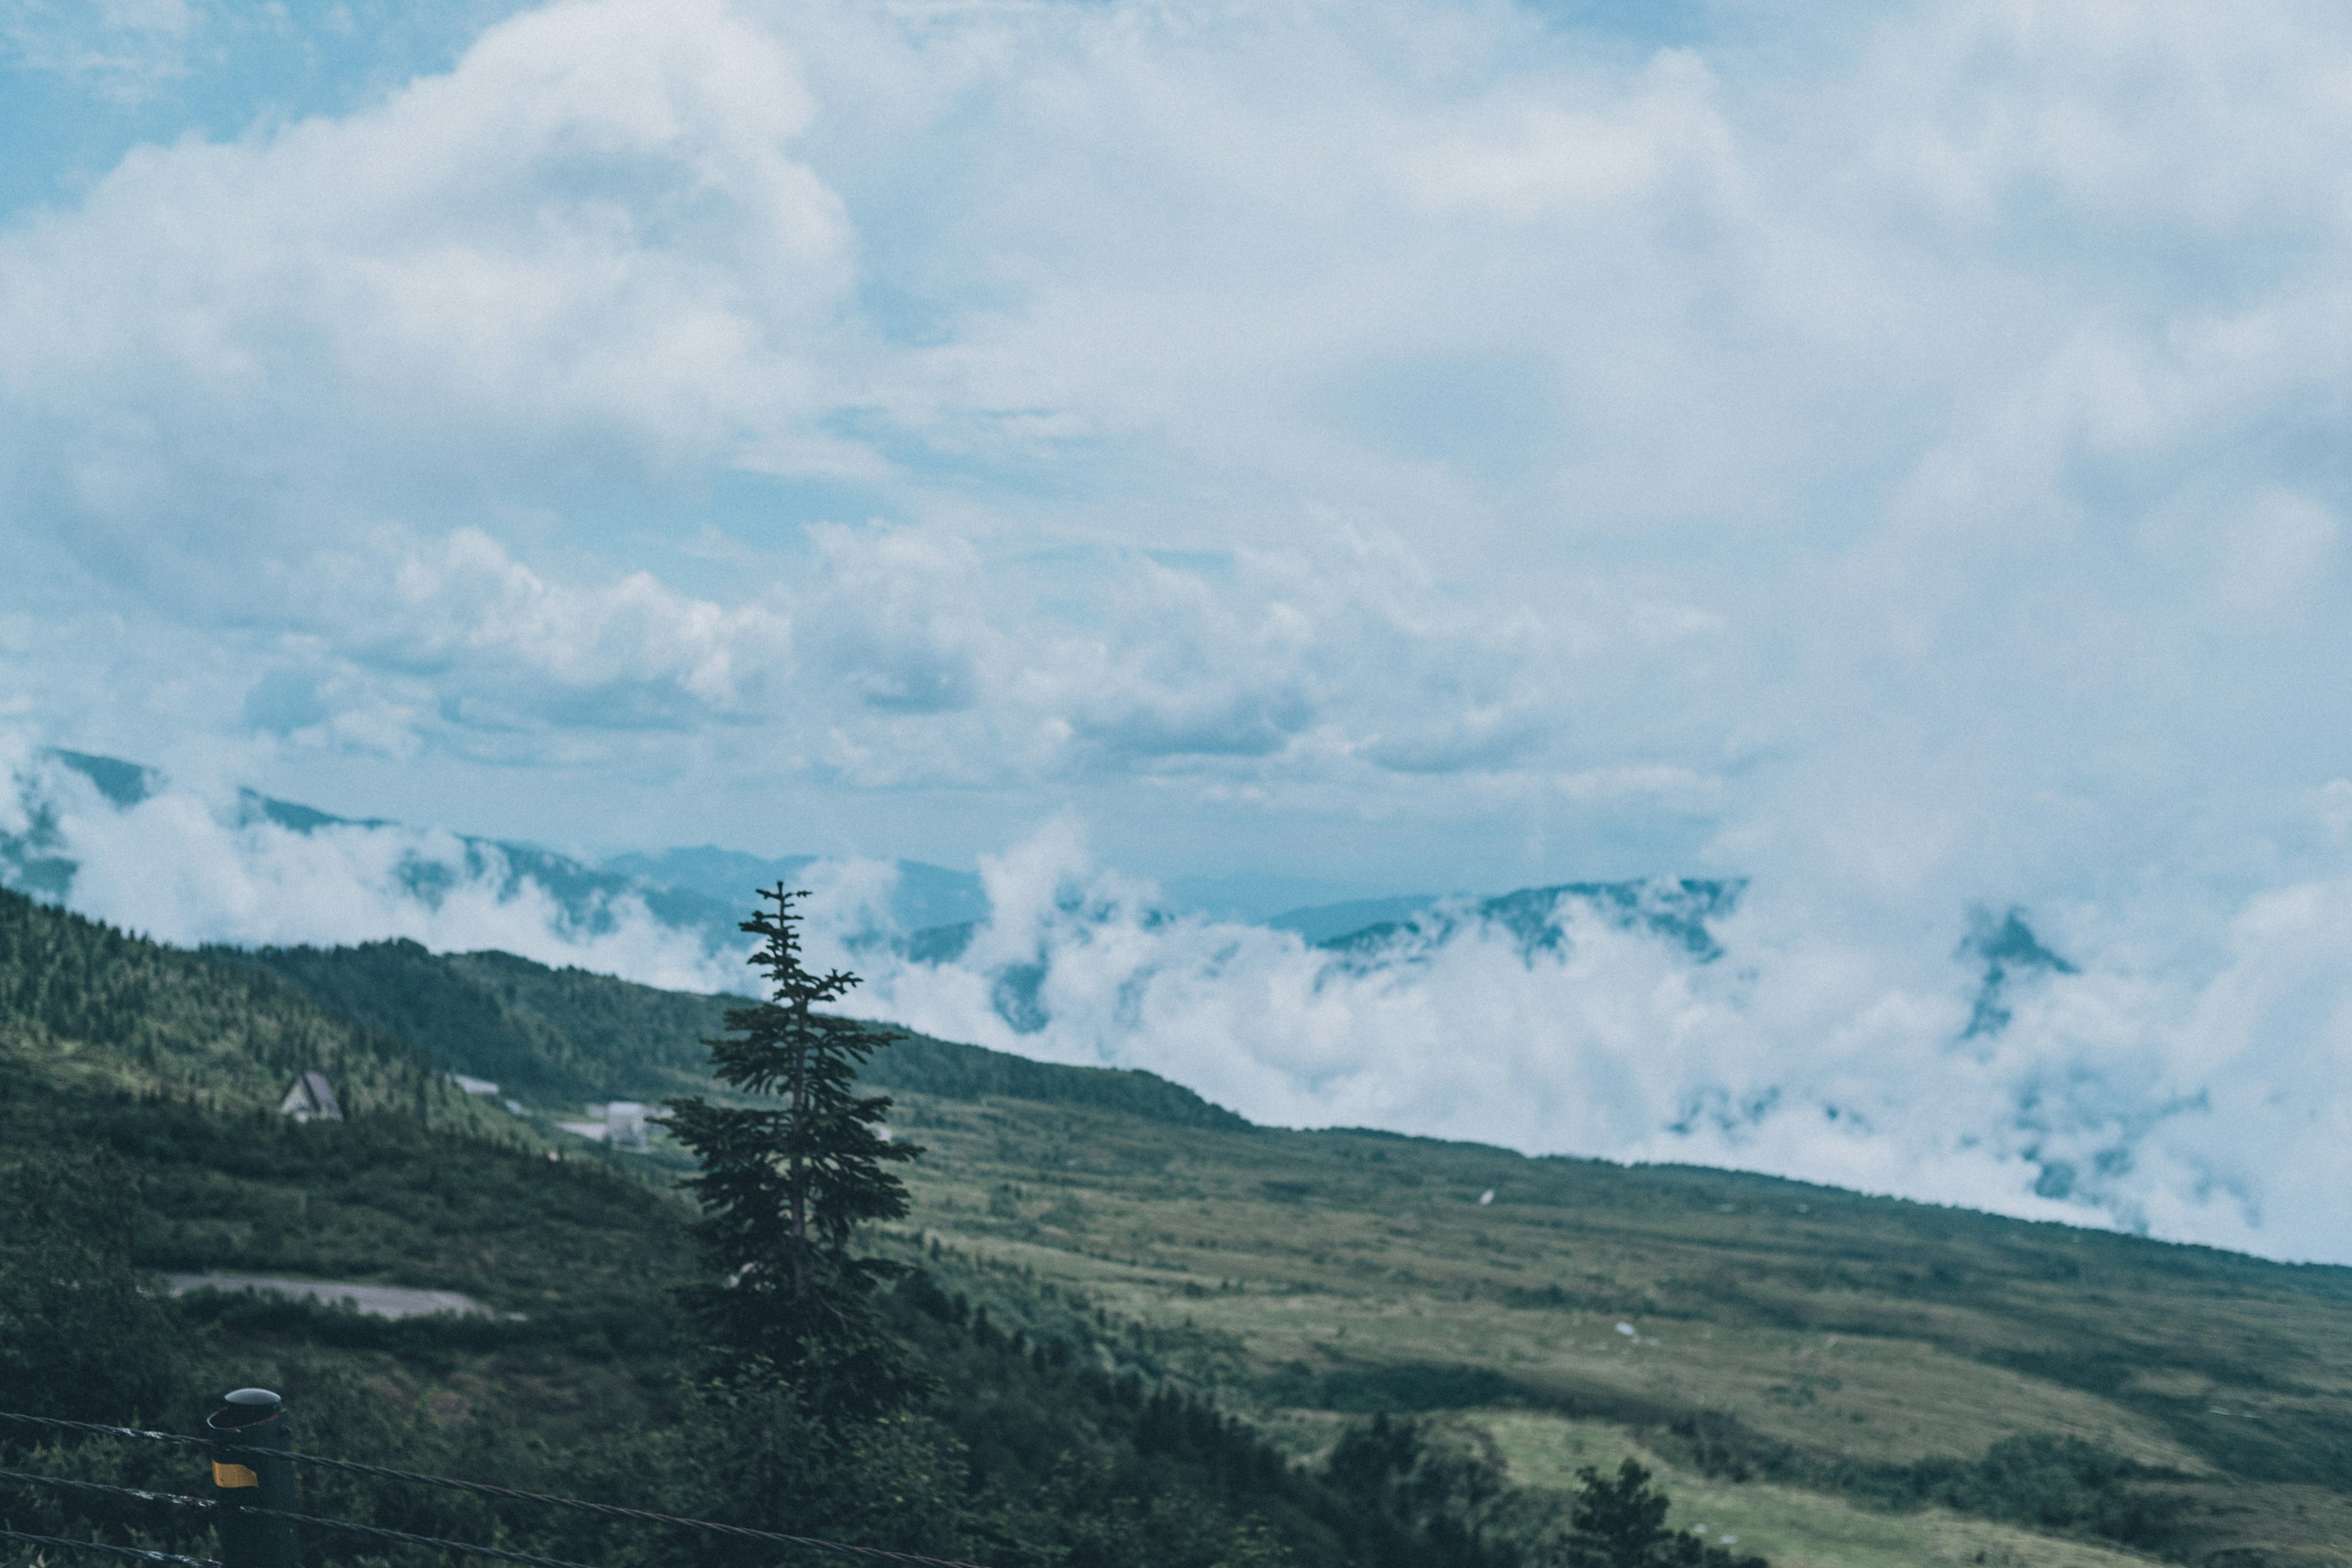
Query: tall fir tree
[784,1186]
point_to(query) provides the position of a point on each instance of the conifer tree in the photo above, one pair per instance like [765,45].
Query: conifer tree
[783,1187]
[1620,1521]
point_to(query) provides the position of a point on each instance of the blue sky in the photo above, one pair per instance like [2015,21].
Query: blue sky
[1405,445]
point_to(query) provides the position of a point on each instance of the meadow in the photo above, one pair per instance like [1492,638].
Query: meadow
[1835,1378]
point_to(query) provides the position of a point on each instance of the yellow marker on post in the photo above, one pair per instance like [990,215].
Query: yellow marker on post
[251,1426]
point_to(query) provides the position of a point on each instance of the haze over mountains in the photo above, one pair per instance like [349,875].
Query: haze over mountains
[1683,1019]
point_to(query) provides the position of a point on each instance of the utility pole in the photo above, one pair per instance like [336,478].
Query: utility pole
[248,1419]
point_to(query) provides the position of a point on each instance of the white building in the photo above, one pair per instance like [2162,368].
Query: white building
[312,1101]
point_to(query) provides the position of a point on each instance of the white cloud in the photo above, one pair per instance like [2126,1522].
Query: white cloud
[585,248]
[122,49]
[2110,1099]
[463,600]
[2193,1102]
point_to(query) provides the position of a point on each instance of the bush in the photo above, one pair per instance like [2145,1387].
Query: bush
[79,1338]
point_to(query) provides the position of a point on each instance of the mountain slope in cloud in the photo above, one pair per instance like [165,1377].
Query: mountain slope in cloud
[1674,911]
[1322,922]
[701,892]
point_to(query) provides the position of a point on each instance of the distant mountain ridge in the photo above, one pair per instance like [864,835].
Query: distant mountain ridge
[933,913]
[558,1037]
[1536,920]
[705,890]
[925,895]
[1320,923]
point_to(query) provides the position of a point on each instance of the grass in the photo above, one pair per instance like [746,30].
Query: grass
[1794,1334]
[1794,1529]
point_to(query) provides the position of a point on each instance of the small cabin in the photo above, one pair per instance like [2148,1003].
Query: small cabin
[311,1099]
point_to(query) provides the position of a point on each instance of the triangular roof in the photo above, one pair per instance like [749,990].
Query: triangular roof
[311,1097]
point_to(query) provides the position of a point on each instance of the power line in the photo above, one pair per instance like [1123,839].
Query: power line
[109,1431]
[611,1511]
[478,1488]
[272,1513]
[101,1487]
[139,1553]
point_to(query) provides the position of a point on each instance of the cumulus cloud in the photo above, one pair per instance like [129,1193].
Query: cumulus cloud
[633,650]
[1940,375]
[537,263]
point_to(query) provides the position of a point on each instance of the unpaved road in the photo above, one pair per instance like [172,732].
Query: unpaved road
[375,1300]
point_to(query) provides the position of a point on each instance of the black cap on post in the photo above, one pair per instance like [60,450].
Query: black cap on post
[244,1407]
[250,1433]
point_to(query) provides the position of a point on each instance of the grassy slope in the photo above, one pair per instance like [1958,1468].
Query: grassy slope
[176,1062]
[575,1382]
[1825,1336]
[574,1256]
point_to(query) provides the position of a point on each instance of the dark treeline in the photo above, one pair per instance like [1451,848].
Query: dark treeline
[559,1035]
[1020,1454]
[92,1005]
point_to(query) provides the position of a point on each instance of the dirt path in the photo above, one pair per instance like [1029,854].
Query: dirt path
[375,1300]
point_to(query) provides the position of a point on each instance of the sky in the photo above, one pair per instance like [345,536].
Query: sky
[1422,445]
[1890,454]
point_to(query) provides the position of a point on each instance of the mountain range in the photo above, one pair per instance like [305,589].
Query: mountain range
[932,911]
[703,888]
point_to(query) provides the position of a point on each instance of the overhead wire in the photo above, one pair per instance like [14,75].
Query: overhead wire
[379,1533]
[59,1544]
[610,1511]
[109,1431]
[478,1489]
[142,1496]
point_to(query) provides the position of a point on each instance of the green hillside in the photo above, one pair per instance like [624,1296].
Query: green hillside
[1841,1379]
[89,1006]
[1834,1380]
[563,1035]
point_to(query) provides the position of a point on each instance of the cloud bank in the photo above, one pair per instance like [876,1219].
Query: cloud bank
[1717,1023]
